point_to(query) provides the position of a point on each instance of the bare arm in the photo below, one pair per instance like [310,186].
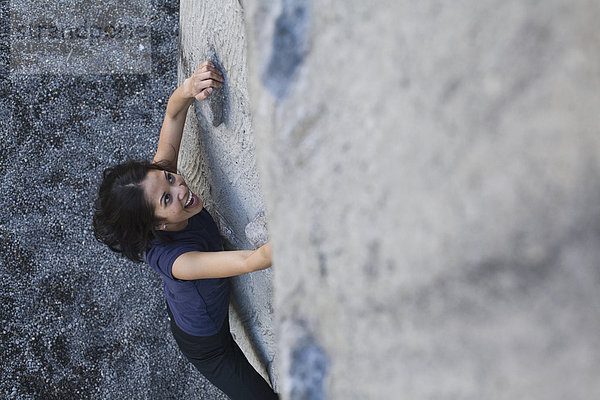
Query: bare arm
[222,264]
[198,86]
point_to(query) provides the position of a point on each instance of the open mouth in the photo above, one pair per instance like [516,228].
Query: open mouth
[191,201]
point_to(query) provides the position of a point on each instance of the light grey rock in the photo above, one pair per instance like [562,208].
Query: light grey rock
[256,231]
[218,161]
[431,173]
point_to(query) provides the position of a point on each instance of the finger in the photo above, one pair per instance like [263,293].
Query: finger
[209,75]
[204,94]
[198,87]
[200,68]
[203,66]
[214,70]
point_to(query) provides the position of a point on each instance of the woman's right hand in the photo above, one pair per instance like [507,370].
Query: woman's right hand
[200,84]
[261,257]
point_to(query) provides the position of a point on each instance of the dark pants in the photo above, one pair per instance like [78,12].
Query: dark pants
[221,361]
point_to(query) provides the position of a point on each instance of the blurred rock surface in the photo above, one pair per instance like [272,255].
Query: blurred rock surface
[431,175]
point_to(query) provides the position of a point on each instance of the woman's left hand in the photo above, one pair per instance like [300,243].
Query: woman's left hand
[200,84]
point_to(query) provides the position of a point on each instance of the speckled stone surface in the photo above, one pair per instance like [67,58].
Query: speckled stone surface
[78,322]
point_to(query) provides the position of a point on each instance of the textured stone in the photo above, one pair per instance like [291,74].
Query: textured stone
[77,321]
[431,176]
[217,159]
[256,231]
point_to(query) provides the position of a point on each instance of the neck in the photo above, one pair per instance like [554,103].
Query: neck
[177,227]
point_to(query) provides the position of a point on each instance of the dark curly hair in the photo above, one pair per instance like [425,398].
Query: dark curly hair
[123,219]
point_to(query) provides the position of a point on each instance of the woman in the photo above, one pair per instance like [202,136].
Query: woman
[145,211]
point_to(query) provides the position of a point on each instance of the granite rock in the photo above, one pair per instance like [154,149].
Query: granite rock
[218,160]
[256,231]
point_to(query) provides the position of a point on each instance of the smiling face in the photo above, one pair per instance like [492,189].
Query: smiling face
[171,199]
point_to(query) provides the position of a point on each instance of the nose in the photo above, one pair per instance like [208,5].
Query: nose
[181,191]
[180,187]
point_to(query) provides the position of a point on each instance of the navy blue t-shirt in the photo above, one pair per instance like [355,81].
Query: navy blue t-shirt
[199,306]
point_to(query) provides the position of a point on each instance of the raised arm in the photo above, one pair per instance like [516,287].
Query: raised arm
[198,86]
[221,264]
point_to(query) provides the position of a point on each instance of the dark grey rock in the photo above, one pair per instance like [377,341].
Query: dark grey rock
[218,100]
[308,370]
[78,322]
[290,43]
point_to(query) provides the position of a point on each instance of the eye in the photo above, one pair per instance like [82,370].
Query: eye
[170,178]
[167,198]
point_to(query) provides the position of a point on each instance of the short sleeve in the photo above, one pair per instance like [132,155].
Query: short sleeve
[162,257]
[201,234]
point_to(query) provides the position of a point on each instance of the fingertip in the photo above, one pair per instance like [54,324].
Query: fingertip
[203,94]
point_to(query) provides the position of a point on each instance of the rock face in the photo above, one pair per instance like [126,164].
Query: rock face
[218,162]
[431,178]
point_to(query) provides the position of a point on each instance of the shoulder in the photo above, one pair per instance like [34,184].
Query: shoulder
[198,236]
